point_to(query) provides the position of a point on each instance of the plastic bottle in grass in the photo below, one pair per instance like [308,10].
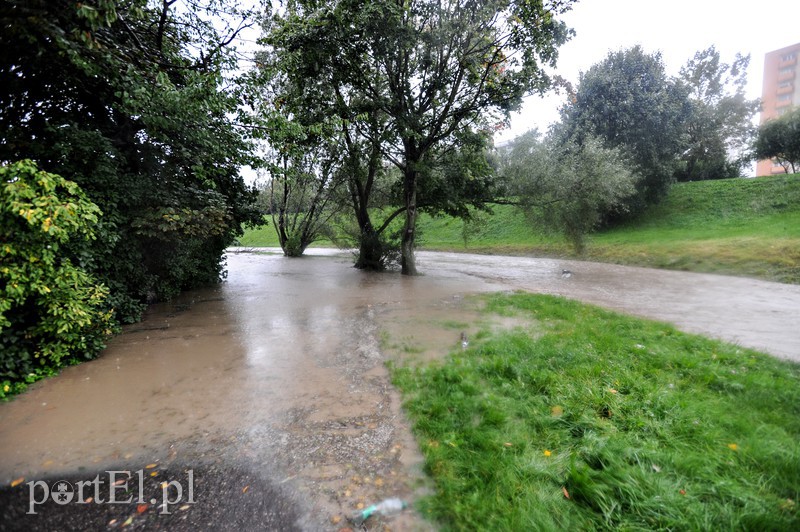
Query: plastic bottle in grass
[385,507]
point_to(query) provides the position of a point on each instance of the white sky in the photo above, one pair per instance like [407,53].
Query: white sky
[677,28]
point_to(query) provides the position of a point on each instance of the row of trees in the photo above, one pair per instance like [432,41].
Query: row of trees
[396,101]
[627,132]
[396,105]
[695,126]
[119,109]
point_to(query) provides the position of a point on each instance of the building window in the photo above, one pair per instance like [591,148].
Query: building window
[789,56]
[784,97]
[784,84]
[786,70]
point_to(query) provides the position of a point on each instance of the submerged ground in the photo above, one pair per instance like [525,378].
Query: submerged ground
[275,380]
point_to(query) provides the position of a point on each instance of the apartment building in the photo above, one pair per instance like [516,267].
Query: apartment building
[781,91]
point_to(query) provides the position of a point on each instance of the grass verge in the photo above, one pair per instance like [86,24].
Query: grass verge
[593,420]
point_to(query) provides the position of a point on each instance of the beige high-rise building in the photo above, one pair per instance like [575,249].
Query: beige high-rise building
[780,92]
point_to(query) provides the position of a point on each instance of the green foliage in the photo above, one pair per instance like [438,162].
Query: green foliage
[565,186]
[719,128]
[128,100]
[422,82]
[630,103]
[747,227]
[779,139]
[304,164]
[588,420]
[52,312]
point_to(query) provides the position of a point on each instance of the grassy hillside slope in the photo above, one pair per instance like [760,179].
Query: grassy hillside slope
[747,227]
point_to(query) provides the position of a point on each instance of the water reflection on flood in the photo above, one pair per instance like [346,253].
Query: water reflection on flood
[282,364]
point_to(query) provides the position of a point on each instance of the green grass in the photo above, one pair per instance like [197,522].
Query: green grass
[748,227]
[600,421]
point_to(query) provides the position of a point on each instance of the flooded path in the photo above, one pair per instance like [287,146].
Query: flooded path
[747,312]
[281,368]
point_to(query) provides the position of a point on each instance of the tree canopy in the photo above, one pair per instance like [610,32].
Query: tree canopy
[439,76]
[128,99]
[124,107]
[779,139]
[719,127]
[629,102]
[566,186]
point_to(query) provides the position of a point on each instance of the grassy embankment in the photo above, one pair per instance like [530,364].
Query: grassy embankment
[747,227]
[586,420]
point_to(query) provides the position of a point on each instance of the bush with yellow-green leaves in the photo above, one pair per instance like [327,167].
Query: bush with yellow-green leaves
[52,312]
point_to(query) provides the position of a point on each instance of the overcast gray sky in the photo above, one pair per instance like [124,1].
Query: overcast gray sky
[677,28]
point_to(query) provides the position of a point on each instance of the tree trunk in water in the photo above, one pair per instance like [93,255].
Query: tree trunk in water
[408,262]
[370,250]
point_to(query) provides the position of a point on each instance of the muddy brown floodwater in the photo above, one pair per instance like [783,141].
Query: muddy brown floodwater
[281,367]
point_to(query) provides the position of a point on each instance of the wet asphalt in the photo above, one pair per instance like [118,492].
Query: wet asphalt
[222,497]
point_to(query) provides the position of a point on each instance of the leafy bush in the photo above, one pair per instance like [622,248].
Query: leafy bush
[568,187]
[52,313]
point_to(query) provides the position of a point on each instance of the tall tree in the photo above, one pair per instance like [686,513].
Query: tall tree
[304,167]
[719,128]
[630,103]
[441,73]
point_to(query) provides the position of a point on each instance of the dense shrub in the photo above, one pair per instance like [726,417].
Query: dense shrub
[52,312]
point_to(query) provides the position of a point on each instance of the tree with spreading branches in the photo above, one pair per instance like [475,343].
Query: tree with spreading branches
[441,76]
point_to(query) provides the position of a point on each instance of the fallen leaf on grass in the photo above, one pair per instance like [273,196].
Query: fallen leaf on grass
[90,499]
[184,507]
[556,411]
[141,508]
[656,468]
[128,521]
[17,481]
[244,489]
[508,444]
[151,466]
[612,390]
[112,522]
[733,447]
[360,506]
[154,474]
[336,519]
[682,492]
[120,482]
[565,492]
